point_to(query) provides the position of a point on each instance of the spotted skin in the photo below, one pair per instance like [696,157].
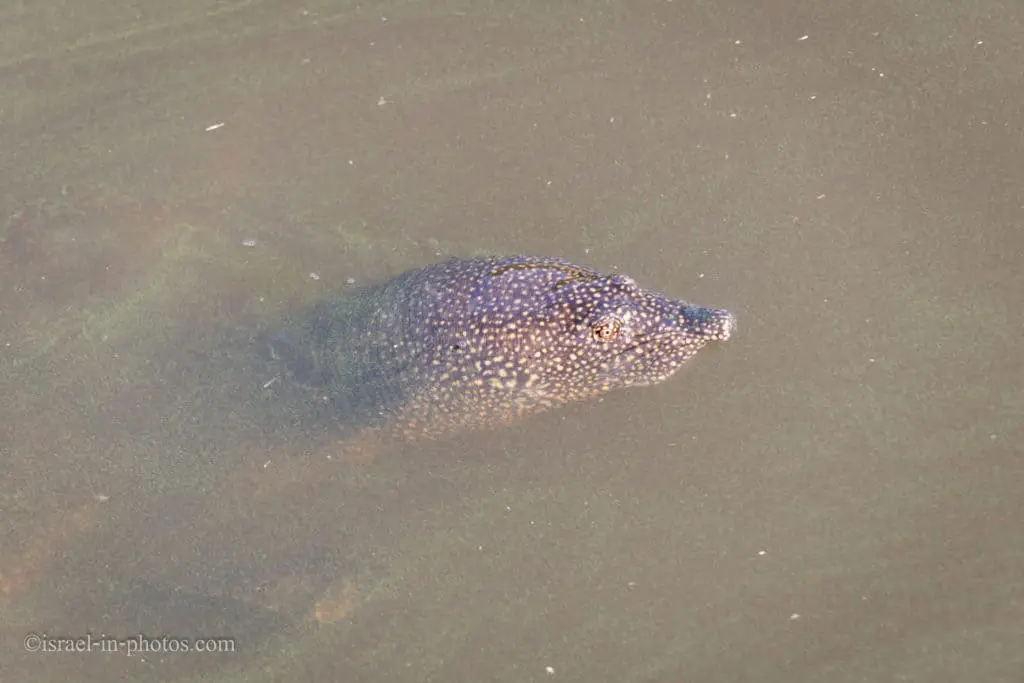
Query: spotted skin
[471,343]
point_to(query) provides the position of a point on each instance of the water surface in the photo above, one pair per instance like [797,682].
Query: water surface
[834,495]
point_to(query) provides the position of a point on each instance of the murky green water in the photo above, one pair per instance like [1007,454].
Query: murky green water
[833,496]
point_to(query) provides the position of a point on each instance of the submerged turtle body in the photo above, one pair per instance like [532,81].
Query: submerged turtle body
[472,343]
[463,344]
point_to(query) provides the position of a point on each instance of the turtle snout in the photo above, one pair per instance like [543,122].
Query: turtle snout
[713,324]
[726,325]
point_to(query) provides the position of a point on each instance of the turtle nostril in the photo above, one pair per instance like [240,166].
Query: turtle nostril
[727,326]
[711,323]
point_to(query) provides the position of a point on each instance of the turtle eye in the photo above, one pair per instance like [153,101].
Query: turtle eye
[607,330]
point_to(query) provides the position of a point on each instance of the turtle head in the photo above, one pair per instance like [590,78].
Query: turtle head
[635,337]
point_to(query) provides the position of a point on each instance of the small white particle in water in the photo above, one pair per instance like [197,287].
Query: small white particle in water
[101,497]
[215,126]
[821,196]
[980,42]
[794,616]
[700,275]
[270,382]
[550,670]
[350,281]
[762,552]
[993,437]
[314,276]
[248,243]
[351,163]
[814,97]
[871,360]
[382,101]
[803,37]
[738,42]
[548,183]
[611,119]
[266,464]
[733,115]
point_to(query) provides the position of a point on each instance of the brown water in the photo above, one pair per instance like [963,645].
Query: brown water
[836,495]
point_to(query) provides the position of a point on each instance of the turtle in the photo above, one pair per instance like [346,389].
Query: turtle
[462,345]
[472,343]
